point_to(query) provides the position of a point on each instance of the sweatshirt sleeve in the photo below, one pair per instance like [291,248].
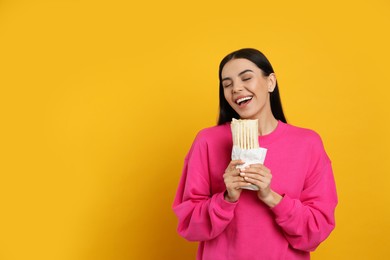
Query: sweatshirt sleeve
[202,216]
[309,220]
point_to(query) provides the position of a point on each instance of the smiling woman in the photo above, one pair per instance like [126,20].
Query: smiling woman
[292,212]
[247,90]
[258,67]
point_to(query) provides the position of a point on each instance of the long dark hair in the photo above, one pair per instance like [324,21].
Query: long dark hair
[226,112]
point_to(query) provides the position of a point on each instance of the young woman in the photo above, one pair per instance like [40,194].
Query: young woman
[293,210]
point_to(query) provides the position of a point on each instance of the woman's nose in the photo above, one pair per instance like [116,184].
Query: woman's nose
[238,87]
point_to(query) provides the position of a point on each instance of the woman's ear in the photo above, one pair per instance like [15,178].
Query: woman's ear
[271,82]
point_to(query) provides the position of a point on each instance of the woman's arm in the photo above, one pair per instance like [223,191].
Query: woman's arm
[309,220]
[306,221]
[202,215]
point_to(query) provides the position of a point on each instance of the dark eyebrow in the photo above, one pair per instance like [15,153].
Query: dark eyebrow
[239,74]
[245,71]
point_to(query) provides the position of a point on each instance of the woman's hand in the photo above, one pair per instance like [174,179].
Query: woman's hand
[261,176]
[233,181]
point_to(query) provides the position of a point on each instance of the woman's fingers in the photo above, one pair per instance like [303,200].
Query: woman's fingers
[232,169]
[233,164]
[256,169]
[257,174]
[258,180]
[234,179]
[238,179]
[231,174]
[239,184]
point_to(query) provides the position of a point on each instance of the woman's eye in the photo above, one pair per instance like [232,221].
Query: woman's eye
[227,85]
[246,79]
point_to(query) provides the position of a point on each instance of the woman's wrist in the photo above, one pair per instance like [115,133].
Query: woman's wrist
[228,198]
[272,199]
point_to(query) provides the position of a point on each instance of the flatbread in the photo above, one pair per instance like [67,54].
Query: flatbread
[245,133]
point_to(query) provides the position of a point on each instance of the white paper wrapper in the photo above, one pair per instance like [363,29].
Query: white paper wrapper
[249,156]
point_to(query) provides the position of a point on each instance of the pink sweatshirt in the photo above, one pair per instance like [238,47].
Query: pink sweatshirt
[248,229]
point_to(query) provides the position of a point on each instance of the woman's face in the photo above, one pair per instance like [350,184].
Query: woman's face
[246,89]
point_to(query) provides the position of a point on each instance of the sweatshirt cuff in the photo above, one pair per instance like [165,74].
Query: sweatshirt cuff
[223,204]
[284,209]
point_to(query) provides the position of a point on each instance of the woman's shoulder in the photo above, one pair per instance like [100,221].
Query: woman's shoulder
[214,133]
[306,138]
[212,138]
[302,133]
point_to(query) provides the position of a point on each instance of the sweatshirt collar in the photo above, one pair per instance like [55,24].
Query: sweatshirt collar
[274,135]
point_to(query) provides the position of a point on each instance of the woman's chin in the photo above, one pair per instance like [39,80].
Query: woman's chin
[246,117]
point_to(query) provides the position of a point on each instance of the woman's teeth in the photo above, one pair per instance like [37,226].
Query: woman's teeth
[242,100]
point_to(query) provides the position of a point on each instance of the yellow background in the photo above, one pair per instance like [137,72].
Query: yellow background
[100,101]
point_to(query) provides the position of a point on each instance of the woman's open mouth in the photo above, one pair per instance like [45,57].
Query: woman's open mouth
[244,100]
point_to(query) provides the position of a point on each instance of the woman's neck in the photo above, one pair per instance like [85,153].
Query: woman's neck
[267,125]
